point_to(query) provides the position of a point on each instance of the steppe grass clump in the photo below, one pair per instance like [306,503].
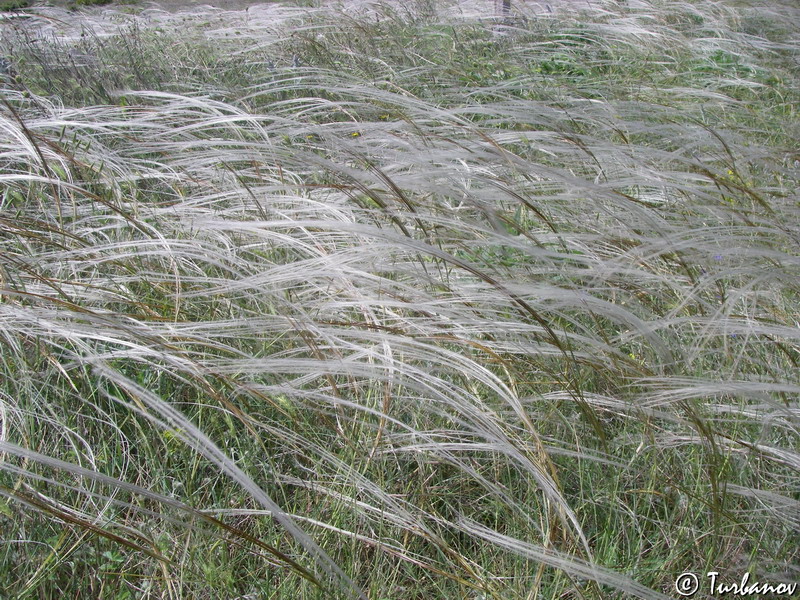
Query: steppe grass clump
[14,5]
[401,304]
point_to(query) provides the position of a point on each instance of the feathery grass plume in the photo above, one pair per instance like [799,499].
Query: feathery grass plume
[371,301]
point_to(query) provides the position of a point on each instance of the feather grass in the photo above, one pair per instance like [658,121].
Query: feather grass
[401,306]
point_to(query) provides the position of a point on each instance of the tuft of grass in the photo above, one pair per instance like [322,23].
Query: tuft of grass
[400,301]
[14,5]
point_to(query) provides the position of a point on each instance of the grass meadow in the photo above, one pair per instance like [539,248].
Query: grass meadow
[398,301]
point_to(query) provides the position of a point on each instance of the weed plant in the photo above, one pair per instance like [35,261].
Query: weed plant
[401,303]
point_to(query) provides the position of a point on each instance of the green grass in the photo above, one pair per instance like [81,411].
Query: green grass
[401,305]
[92,2]
[13,5]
